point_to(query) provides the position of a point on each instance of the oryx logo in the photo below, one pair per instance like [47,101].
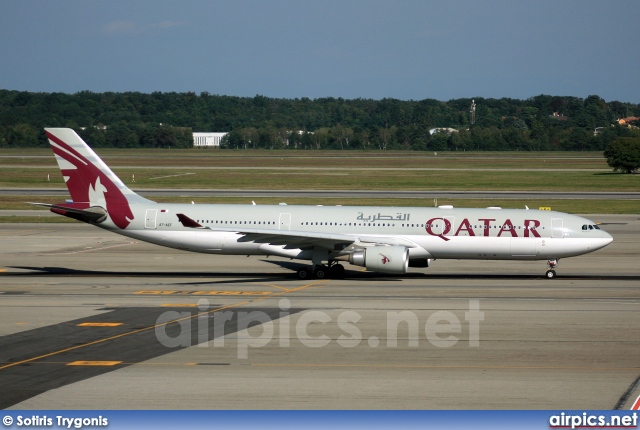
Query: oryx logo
[88,185]
[384,259]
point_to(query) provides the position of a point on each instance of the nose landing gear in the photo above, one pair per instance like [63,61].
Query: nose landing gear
[551,264]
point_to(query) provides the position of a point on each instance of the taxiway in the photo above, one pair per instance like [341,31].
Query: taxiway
[92,320]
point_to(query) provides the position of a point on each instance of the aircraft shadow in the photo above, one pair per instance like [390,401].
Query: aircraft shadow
[266,277]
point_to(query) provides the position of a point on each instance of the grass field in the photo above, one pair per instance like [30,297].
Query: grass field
[408,170]
[343,170]
[343,179]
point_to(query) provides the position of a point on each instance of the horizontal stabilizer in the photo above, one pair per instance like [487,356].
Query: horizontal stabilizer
[94,214]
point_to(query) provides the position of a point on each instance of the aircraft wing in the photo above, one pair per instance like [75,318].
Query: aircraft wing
[292,239]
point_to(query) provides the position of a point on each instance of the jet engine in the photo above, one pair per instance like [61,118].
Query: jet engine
[386,259]
[420,262]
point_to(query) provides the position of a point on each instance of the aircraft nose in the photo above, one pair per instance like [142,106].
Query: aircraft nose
[606,239]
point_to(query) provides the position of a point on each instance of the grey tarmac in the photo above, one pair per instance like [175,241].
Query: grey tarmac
[81,325]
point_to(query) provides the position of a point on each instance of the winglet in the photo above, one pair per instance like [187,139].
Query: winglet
[188,222]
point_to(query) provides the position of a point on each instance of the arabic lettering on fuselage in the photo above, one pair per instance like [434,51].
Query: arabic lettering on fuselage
[381,217]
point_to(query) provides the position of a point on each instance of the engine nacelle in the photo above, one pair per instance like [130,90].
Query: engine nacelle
[386,259]
[420,262]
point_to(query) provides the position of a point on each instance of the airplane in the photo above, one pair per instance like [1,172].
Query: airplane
[381,239]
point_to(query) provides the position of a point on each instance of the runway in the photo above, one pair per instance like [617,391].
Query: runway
[92,320]
[430,194]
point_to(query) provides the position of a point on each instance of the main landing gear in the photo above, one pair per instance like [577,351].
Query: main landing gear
[551,264]
[334,270]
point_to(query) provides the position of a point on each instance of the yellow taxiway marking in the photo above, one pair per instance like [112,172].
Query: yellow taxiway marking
[313,284]
[276,286]
[231,293]
[99,324]
[3,270]
[153,327]
[155,292]
[204,293]
[93,363]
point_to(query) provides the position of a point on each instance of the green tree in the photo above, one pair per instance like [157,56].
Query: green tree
[268,137]
[439,141]
[342,135]
[295,139]
[90,135]
[22,135]
[386,136]
[623,154]
[320,137]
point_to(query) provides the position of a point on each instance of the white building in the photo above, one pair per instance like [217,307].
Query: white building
[207,139]
[442,130]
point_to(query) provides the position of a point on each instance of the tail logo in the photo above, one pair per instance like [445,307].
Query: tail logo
[88,185]
[96,194]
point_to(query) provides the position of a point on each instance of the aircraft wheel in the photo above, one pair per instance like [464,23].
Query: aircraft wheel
[320,272]
[337,271]
[303,273]
[551,274]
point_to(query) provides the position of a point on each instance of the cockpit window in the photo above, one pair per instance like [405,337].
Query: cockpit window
[586,227]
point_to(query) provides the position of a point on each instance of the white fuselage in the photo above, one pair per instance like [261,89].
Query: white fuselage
[433,233]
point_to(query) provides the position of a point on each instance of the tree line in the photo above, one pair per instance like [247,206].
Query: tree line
[133,120]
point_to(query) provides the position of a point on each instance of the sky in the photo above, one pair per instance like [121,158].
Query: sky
[403,49]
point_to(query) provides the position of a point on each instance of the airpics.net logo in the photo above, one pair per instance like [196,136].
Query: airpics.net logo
[252,329]
[587,420]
